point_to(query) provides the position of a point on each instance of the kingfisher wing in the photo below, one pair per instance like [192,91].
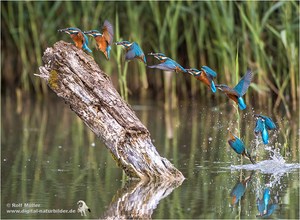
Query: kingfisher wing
[237,145]
[137,50]
[209,72]
[259,127]
[270,125]
[130,54]
[86,39]
[162,66]
[108,32]
[174,64]
[134,51]
[244,83]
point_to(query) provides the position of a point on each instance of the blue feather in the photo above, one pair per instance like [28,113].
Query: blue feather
[241,103]
[238,191]
[259,127]
[265,136]
[237,145]
[266,197]
[270,125]
[108,51]
[213,87]
[243,85]
[135,51]
[84,46]
[209,71]
[86,43]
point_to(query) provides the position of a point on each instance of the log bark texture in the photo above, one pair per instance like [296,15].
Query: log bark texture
[74,76]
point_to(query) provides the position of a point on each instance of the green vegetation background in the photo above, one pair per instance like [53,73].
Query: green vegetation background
[265,35]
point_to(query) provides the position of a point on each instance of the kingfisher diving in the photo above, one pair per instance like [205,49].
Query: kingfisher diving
[104,40]
[80,39]
[236,93]
[239,147]
[205,75]
[263,123]
[167,63]
[133,51]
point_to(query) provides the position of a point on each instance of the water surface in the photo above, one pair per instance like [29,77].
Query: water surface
[50,160]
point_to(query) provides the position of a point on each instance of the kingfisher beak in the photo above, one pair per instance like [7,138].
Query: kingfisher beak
[219,87]
[90,33]
[65,30]
[190,71]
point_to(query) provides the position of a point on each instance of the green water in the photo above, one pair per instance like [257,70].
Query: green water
[50,160]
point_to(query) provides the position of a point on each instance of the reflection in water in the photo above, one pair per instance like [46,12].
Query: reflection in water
[265,206]
[239,189]
[49,157]
[138,199]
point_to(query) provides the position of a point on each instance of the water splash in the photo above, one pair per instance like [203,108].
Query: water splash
[275,165]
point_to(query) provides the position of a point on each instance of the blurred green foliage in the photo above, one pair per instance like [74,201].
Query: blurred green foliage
[265,35]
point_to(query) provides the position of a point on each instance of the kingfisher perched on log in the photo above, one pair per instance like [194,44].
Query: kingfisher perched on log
[104,40]
[133,51]
[167,63]
[263,123]
[80,39]
[236,93]
[205,75]
[239,147]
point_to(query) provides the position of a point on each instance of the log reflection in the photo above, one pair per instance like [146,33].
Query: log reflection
[138,199]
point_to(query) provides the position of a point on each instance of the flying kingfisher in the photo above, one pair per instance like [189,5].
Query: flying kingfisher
[263,123]
[239,147]
[239,90]
[133,51]
[167,63]
[205,75]
[80,39]
[104,39]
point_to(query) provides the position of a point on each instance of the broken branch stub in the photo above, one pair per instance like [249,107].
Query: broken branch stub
[74,76]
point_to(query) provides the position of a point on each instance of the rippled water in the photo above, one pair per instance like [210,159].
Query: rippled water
[50,159]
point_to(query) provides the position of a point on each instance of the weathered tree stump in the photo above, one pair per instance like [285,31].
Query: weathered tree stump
[74,76]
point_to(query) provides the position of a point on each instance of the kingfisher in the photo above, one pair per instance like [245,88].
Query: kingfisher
[167,63]
[264,207]
[239,147]
[104,40]
[239,190]
[133,50]
[263,123]
[80,39]
[205,75]
[236,93]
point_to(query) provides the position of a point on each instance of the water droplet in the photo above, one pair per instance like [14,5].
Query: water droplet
[59,146]
[4,159]
[93,144]
[210,138]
